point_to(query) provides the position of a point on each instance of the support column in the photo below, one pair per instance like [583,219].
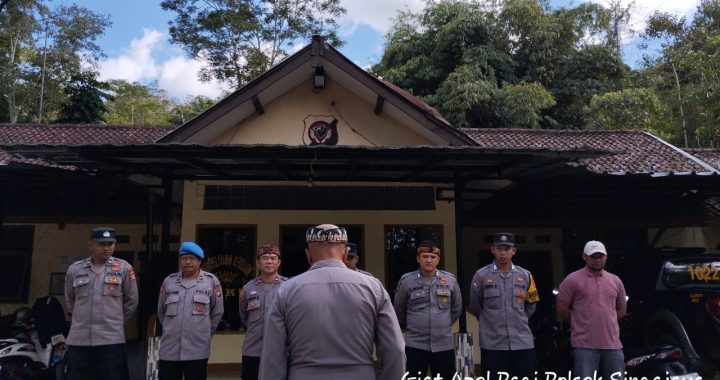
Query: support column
[463,340]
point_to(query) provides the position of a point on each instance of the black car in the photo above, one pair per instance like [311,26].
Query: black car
[675,299]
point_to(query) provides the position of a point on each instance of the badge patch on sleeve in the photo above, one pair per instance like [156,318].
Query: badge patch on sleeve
[532,293]
[132,273]
[218,291]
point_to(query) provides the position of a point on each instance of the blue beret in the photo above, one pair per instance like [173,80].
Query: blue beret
[190,248]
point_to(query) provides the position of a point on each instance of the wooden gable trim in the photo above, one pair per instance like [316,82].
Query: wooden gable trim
[248,92]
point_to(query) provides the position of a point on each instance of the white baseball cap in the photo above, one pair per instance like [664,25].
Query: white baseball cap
[594,246]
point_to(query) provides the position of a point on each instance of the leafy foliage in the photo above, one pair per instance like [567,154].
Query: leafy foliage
[688,72]
[137,104]
[516,65]
[240,39]
[628,109]
[40,49]
[84,103]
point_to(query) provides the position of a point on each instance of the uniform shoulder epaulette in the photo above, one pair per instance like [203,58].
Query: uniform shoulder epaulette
[446,273]
[210,275]
[119,260]
[486,267]
[521,269]
[79,262]
[173,275]
[283,278]
[406,274]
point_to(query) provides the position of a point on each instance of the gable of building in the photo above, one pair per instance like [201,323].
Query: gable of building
[283,104]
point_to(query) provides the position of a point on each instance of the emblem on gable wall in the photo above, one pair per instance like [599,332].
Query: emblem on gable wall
[323,132]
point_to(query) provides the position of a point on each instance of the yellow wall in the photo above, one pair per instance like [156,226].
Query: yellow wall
[55,244]
[226,348]
[282,122]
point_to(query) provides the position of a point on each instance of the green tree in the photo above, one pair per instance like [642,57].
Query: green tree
[688,68]
[40,49]
[17,24]
[467,60]
[84,103]
[630,109]
[138,104]
[240,39]
[191,108]
[520,105]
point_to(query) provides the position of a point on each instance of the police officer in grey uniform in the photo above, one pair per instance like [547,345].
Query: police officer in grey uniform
[427,303]
[100,295]
[324,323]
[503,297]
[190,307]
[257,295]
[353,258]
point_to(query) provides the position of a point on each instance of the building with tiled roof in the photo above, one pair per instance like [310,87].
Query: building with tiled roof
[73,135]
[711,156]
[317,139]
[632,152]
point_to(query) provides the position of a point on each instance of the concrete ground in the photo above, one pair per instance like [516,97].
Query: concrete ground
[137,362]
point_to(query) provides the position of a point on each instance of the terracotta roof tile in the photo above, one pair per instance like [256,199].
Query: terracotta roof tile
[633,152]
[429,110]
[72,134]
[711,156]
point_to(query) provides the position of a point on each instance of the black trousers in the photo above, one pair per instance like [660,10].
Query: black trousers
[250,367]
[520,363]
[441,362]
[106,362]
[174,370]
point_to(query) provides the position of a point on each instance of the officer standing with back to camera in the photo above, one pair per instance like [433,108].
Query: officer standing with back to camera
[256,297]
[325,323]
[101,295]
[427,303]
[190,307]
[503,297]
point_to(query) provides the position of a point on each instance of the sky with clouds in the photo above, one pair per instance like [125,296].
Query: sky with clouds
[137,46]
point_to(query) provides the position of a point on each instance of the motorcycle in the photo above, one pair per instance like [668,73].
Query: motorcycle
[23,357]
[663,362]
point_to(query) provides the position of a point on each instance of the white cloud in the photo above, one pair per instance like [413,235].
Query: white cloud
[378,14]
[643,9]
[136,63]
[176,74]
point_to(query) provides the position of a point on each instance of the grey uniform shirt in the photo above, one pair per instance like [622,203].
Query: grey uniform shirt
[256,299]
[427,310]
[190,311]
[503,303]
[324,323]
[363,272]
[100,304]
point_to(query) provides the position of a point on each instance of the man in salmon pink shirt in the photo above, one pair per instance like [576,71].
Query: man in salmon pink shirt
[594,300]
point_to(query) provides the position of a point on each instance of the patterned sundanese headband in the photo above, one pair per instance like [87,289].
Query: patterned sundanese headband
[326,233]
[268,249]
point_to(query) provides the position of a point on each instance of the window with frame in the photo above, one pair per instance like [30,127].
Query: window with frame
[229,255]
[401,243]
[16,246]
